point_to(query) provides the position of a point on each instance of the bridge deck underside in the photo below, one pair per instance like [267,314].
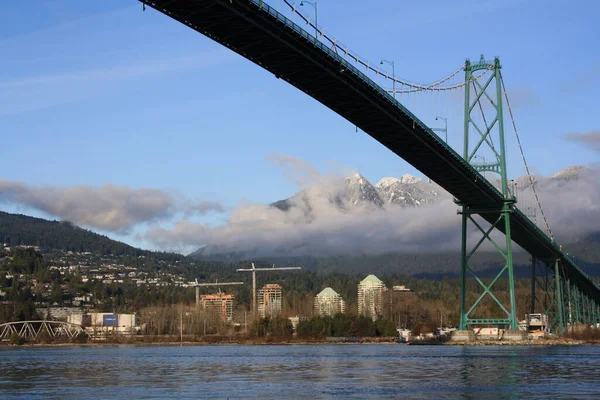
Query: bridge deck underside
[292,55]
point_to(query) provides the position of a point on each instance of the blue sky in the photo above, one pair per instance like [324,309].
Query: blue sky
[95,93]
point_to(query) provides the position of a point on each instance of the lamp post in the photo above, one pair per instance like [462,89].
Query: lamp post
[314,5]
[393,75]
[482,157]
[444,129]
[483,166]
[514,188]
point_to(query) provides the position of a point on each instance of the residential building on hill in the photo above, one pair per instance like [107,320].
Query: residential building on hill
[370,297]
[218,304]
[269,300]
[328,303]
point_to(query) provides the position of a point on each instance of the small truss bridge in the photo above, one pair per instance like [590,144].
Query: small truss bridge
[31,330]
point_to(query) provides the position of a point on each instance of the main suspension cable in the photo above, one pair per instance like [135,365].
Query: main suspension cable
[414,87]
[525,161]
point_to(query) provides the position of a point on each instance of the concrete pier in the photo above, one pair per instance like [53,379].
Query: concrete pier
[514,335]
[504,336]
[462,336]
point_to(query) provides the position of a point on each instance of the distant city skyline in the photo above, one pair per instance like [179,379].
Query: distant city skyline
[127,122]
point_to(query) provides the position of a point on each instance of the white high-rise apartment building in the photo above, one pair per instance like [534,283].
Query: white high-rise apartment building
[328,303]
[370,297]
[269,300]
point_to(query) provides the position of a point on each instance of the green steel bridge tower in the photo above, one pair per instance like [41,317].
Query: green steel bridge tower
[482,124]
[554,292]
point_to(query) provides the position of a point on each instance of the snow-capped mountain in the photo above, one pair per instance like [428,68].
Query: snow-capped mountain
[408,191]
[564,176]
[360,192]
[570,173]
[357,191]
[408,179]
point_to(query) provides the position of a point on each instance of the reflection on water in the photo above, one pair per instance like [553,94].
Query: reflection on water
[301,371]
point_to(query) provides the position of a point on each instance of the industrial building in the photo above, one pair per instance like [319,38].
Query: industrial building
[269,300]
[370,297]
[98,325]
[217,304]
[329,303]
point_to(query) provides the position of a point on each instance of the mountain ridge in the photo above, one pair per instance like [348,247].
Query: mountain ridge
[18,229]
[48,235]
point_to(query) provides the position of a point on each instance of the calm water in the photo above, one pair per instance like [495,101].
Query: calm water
[301,371]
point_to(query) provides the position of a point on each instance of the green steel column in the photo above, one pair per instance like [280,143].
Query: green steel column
[501,127]
[570,316]
[577,298]
[579,313]
[584,308]
[463,271]
[468,74]
[506,208]
[559,299]
[533,263]
[587,310]
[463,255]
[509,262]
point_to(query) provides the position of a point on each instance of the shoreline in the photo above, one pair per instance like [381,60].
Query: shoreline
[254,342]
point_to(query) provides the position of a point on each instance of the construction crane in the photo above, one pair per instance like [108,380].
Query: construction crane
[254,270]
[217,283]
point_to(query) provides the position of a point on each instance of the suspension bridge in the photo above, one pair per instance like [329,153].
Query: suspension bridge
[325,69]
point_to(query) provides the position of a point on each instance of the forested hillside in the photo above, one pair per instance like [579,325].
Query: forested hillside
[54,235]
[16,229]
[431,266]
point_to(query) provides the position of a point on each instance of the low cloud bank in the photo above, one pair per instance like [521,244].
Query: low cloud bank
[317,225]
[108,207]
[262,230]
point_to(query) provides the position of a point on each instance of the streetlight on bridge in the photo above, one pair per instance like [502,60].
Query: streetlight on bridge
[393,75]
[482,157]
[444,129]
[314,5]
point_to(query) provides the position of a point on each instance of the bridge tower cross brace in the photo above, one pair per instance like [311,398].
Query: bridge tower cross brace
[481,124]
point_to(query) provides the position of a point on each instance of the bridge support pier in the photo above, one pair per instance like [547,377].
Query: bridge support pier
[553,294]
[561,326]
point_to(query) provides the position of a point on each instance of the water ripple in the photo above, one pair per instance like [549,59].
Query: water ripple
[301,371]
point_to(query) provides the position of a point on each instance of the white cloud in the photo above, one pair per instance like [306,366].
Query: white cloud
[589,139]
[108,207]
[317,225]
